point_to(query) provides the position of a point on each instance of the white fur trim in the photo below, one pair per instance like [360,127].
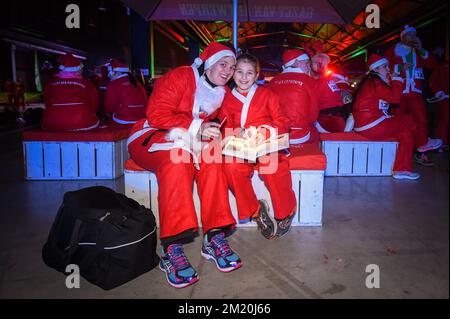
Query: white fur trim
[303,57]
[71,69]
[197,62]
[216,57]
[121,69]
[402,50]
[320,128]
[378,63]
[396,78]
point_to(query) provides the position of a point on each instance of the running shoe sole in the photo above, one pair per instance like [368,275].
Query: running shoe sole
[193,281]
[229,269]
[405,177]
[422,150]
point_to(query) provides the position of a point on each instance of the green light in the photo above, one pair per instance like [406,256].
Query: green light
[358,53]
[223,40]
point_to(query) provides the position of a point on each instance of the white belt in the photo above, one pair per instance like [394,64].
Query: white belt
[370,125]
[137,134]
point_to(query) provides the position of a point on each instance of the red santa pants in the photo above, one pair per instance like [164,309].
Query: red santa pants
[332,123]
[278,182]
[175,183]
[402,128]
[412,103]
[442,128]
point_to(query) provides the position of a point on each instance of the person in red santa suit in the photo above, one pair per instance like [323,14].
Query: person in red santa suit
[372,119]
[179,110]
[439,86]
[334,115]
[409,59]
[247,106]
[71,102]
[126,99]
[295,89]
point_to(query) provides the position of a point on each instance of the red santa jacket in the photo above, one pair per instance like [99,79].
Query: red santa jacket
[259,107]
[328,93]
[125,101]
[400,54]
[297,100]
[373,99]
[70,104]
[171,105]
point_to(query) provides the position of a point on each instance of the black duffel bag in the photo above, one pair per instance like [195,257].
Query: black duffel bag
[110,237]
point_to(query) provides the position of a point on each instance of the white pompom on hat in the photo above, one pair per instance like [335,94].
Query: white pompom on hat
[213,53]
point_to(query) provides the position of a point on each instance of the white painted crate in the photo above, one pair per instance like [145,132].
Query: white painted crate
[142,186]
[359,158]
[45,160]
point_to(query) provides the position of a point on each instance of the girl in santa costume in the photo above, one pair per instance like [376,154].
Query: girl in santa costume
[372,119]
[71,102]
[409,59]
[250,105]
[180,107]
[295,89]
[126,99]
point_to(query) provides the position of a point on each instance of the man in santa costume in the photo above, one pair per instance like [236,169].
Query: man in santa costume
[180,107]
[295,89]
[439,86]
[71,102]
[409,59]
[126,99]
[334,116]
[372,100]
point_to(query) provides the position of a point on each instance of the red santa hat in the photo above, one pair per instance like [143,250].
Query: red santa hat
[69,63]
[117,66]
[406,30]
[291,55]
[213,53]
[375,61]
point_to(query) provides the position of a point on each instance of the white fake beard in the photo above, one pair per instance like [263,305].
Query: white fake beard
[402,50]
[209,98]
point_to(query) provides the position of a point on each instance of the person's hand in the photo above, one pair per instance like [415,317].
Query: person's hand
[210,130]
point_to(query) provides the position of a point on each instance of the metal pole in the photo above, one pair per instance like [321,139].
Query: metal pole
[235,24]
[13,62]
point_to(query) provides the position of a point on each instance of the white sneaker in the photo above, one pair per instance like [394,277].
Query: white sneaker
[432,144]
[406,175]
[349,124]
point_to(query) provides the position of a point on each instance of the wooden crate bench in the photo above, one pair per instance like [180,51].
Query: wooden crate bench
[307,164]
[94,154]
[351,154]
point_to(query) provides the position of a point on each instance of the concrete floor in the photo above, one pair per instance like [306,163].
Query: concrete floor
[401,226]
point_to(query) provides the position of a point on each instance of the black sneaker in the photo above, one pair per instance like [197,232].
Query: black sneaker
[283,226]
[265,223]
[422,159]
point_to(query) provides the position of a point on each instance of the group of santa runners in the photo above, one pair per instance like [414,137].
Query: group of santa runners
[304,100]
